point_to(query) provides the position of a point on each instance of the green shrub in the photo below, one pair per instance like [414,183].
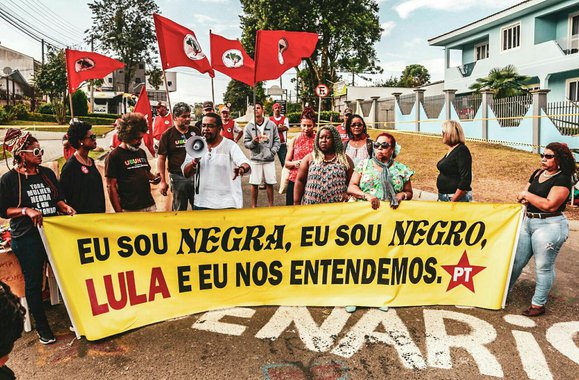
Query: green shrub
[294,117]
[20,111]
[105,115]
[46,109]
[34,116]
[80,103]
[5,117]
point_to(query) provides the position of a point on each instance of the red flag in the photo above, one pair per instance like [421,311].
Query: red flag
[178,46]
[84,65]
[277,51]
[229,57]
[144,106]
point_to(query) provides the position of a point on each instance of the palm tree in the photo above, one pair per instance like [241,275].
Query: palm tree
[504,81]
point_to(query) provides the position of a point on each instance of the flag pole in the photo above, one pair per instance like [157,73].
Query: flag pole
[70,102]
[167,91]
[212,86]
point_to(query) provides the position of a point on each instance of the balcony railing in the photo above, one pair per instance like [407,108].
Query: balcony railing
[569,45]
[467,69]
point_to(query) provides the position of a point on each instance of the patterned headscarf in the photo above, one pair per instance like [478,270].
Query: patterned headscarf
[317,154]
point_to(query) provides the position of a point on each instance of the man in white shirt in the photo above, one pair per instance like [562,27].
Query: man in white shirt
[220,168]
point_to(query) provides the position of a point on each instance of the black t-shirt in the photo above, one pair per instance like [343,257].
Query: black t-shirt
[172,146]
[35,192]
[6,373]
[543,189]
[131,170]
[83,187]
[455,171]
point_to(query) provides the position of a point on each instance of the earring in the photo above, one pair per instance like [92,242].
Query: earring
[81,144]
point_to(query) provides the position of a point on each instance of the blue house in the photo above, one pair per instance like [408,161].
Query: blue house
[539,37]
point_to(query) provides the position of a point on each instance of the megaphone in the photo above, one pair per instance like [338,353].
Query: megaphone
[196,146]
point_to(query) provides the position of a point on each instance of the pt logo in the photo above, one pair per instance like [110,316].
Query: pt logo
[462,273]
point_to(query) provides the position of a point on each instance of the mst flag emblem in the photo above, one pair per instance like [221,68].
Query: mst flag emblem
[282,46]
[83,64]
[232,58]
[192,48]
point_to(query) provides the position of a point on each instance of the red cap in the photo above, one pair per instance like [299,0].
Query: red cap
[276,106]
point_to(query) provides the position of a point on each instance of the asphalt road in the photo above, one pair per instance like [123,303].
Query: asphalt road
[328,343]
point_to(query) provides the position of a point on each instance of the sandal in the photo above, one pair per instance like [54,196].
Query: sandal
[534,311]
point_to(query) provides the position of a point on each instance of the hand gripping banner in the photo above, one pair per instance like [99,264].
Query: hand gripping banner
[121,271]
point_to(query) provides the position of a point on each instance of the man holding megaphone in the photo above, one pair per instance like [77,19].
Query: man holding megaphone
[219,163]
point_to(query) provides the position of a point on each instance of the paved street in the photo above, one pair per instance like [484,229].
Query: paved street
[328,343]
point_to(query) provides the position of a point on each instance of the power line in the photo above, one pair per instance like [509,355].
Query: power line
[56,20]
[42,22]
[14,19]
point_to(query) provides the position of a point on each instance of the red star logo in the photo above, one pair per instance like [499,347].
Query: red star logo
[462,273]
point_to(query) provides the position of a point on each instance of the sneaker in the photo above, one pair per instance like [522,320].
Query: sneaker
[350,309]
[46,337]
[383,308]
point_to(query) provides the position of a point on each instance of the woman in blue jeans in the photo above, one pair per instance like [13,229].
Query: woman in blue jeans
[28,192]
[545,228]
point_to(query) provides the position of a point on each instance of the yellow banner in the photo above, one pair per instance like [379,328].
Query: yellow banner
[121,271]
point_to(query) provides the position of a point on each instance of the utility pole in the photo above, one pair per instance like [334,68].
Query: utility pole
[92,84]
[42,44]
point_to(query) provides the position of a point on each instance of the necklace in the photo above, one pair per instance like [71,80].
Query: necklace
[550,175]
[331,160]
[82,159]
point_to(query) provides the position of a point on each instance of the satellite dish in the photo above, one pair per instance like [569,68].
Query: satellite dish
[7,70]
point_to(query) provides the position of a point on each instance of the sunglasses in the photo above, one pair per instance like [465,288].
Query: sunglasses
[547,156]
[357,125]
[383,145]
[36,151]
[92,137]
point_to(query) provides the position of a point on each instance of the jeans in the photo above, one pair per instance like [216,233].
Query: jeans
[183,190]
[281,153]
[447,197]
[31,255]
[543,239]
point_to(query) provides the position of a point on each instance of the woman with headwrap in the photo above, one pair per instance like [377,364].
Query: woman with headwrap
[28,192]
[359,146]
[380,178]
[324,174]
[298,148]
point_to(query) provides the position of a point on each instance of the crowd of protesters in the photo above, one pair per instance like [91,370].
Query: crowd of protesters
[326,164]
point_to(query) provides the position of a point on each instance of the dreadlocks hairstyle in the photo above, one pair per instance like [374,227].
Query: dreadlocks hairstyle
[564,157]
[317,154]
[11,319]
[77,132]
[130,125]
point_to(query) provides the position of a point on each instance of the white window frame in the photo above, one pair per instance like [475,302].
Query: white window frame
[570,28]
[568,85]
[479,45]
[511,26]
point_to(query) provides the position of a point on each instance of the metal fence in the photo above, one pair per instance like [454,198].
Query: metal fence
[510,111]
[565,116]
[433,105]
[467,105]
[407,103]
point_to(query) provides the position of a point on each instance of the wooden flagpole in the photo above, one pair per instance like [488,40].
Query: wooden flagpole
[70,102]
[167,91]
[212,85]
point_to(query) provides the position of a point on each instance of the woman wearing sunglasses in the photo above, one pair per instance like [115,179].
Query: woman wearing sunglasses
[29,192]
[359,146]
[380,178]
[80,179]
[545,228]
[455,167]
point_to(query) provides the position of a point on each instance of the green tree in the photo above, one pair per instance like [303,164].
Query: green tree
[346,29]
[237,94]
[414,75]
[155,77]
[125,29]
[80,103]
[51,81]
[390,82]
[504,81]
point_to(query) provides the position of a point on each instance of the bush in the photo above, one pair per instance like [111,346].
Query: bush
[113,116]
[294,117]
[46,109]
[5,117]
[20,111]
[34,116]
[80,103]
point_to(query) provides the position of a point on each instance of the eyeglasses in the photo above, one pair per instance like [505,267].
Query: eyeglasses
[353,125]
[92,137]
[383,145]
[36,151]
[208,125]
[548,156]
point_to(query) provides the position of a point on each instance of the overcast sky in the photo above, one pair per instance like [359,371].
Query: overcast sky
[408,24]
